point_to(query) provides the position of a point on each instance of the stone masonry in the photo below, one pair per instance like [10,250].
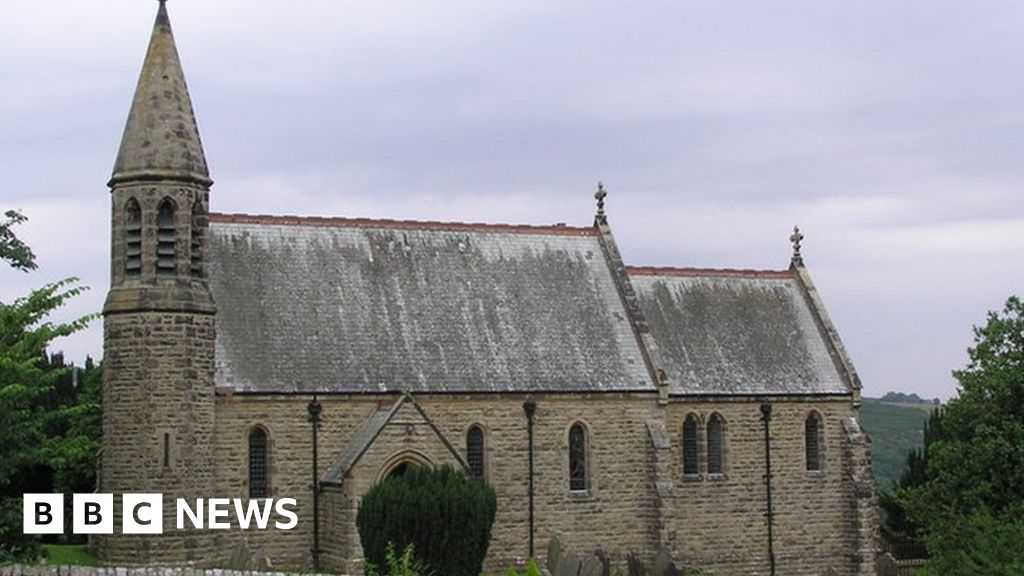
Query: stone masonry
[409,334]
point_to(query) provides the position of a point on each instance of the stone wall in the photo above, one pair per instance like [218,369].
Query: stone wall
[617,512]
[158,425]
[720,522]
[713,522]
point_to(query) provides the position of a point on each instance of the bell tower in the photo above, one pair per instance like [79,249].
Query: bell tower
[158,396]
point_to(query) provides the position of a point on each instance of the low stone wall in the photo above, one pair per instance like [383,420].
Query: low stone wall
[47,570]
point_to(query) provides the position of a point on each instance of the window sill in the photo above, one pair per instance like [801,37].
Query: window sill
[580,495]
[718,477]
[815,474]
[692,478]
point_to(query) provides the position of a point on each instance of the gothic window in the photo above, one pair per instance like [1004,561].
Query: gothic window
[475,451]
[715,432]
[197,244]
[577,457]
[259,474]
[690,446]
[812,442]
[165,244]
[132,238]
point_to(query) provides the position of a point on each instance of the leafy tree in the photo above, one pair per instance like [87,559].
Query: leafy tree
[27,384]
[446,516]
[12,250]
[970,506]
[896,523]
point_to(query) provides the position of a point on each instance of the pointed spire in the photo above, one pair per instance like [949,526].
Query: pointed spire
[796,237]
[161,139]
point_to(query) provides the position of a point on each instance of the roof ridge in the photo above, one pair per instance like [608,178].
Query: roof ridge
[327,221]
[698,271]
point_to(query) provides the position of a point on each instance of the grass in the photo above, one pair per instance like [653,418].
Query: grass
[68,555]
[895,430]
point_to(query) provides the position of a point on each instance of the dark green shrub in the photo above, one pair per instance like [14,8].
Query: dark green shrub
[446,516]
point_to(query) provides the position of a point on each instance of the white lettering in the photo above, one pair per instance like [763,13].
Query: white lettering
[217,509]
[184,510]
[280,508]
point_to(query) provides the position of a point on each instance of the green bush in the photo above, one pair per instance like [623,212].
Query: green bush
[446,516]
[404,565]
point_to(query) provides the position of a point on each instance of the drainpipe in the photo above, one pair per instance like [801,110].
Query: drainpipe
[766,417]
[530,408]
[314,409]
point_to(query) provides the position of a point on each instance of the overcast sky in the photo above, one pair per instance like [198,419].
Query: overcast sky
[890,131]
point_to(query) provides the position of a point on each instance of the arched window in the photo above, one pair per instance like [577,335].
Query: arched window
[132,238]
[812,442]
[475,451]
[196,252]
[259,473]
[715,434]
[577,457]
[165,244]
[690,461]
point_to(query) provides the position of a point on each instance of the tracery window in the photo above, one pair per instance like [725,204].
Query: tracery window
[577,457]
[690,460]
[475,451]
[132,238]
[165,241]
[812,442]
[715,433]
[259,473]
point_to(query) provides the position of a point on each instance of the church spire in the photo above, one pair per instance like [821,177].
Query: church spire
[161,139]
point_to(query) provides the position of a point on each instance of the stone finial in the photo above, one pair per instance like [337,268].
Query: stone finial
[599,196]
[796,237]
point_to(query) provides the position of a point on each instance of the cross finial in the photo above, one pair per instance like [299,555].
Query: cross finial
[599,196]
[796,237]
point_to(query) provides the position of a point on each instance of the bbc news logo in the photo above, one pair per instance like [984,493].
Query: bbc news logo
[143,513]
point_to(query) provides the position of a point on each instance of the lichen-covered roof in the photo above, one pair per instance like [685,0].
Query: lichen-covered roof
[736,332]
[306,304]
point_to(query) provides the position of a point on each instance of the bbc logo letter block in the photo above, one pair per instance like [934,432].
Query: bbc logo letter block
[143,513]
[92,514]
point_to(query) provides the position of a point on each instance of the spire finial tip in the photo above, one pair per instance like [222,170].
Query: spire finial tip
[796,237]
[599,196]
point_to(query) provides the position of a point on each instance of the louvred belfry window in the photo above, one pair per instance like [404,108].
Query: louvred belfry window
[165,241]
[196,251]
[132,238]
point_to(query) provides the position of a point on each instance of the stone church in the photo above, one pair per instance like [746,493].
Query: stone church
[709,412]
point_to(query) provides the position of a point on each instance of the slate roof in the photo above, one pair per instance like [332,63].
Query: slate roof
[362,306]
[736,332]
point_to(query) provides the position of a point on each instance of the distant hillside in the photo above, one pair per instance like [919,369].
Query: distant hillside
[895,429]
